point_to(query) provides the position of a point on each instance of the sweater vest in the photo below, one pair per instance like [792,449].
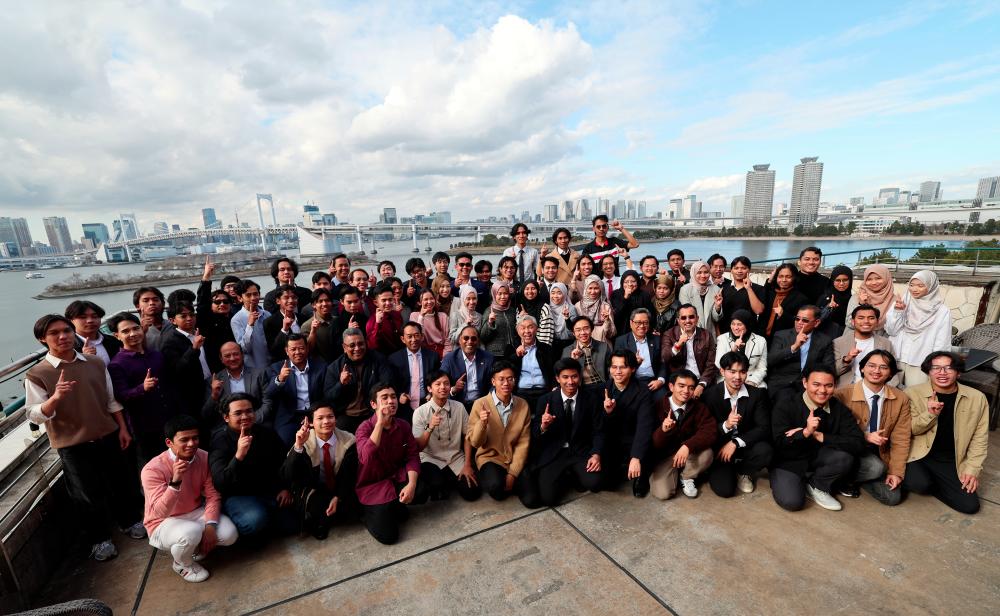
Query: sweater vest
[82,415]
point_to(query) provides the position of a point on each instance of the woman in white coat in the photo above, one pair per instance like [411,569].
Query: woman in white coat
[741,338]
[918,324]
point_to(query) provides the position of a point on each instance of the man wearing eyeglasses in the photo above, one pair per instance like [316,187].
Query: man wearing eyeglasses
[687,346]
[565,257]
[463,275]
[469,368]
[791,350]
[652,373]
[602,244]
[950,424]
[500,429]
[350,377]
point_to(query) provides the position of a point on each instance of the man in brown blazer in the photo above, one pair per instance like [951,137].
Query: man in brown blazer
[854,344]
[883,414]
[686,345]
[500,429]
[566,256]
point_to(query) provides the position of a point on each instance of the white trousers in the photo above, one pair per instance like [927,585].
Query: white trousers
[180,535]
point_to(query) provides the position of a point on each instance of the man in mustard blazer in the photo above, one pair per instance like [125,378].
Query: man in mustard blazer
[883,414]
[950,431]
[500,428]
[567,258]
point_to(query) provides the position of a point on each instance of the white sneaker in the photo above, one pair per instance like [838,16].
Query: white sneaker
[744,484]
[103,551]
[688,487]
[823,499]
[194,573]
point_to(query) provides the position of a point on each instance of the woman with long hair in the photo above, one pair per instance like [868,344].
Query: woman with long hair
[442,293]
[781,301]
[704,295]
[665,303]
[498,330]
[596,306]
[918,324]
[530,301]
[506,272]
[741,338]
[627,298]
[464,312]
[434,322]
[875,290]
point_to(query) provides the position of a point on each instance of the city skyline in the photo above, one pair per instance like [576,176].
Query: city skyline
[484,108]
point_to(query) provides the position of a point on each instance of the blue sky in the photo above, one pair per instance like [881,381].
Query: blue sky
[481,107]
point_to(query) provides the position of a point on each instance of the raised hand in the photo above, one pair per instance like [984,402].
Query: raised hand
[63,386]
[216,388]
[146,321]
[89,349]
[149,382]
[718,301]
[352,323]
[286,322]
[854,352]
[565,312]
[734,418]
[345,375]
[547,418]
[302,434]
[493,316]
[198,341]
[668,423]
[484,414]
[520,351]
[285,372]
[778,310]
[683,339]
[576,353]
[410,290]
[833,302]
[609,403]
[435,420]
[605,312]
[616,225]
[934,406]
[379,315]
[800,339]
[243,445]
[209,269]
[639,358]
[180,467]
[253,317]
[899,305]
[863,295]
[812,424]
[459,384]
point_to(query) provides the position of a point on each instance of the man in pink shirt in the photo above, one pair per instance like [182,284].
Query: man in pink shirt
[175,483]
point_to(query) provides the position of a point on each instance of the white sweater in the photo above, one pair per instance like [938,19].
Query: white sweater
[756,352]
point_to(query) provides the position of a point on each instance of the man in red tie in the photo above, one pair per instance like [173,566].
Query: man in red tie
[322,468]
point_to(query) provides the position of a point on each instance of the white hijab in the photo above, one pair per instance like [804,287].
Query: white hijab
[920,311]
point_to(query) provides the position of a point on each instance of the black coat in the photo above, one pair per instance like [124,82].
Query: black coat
[276,338]
[270,301]
[626,342]
[793,453]
[111,345]
[628,429]
[283,397]
[183,365]
[259,472]
[755,413]
[372,369]
[546,359]
[784,366]
[400,365]
[789,308]
[214,327]
[583,431]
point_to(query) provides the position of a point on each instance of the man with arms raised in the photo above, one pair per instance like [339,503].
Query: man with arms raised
[602,244]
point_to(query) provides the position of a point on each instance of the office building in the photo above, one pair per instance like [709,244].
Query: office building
[758,197]
[389,216]
[209,219]
[641,209]
[856,201]
[175,228]
[674,209]
[582,209]
[130,231]
[930,191]
[566,211]
[887,196]
[807,178]
[736,206]
[57,231]
[15,231]
[96,232]
[551,212]
[989,188]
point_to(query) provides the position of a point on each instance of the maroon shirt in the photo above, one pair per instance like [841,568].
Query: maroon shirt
[384,465]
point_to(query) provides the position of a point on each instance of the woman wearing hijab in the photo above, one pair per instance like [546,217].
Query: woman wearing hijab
[530,301]
[434,323]
[594,305]
[562,312]
[876,290]
[498,330]
[627,298]
[781,301]
[464,312]
[833,303]
[919,323]
[665,304]
[704,295]
[741,338]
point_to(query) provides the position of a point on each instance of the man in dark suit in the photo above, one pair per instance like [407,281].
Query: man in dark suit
[742,414]
[350,377]
[412,383]
[293,386]
[469,367]
[184,357]
[567,439]
[816,440]
[791,350]
[629,418]
[594,356]
[687,346]
[236,377]
[532,363]
[652,372]
[285,321]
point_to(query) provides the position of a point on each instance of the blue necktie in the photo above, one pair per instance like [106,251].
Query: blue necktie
[873,417]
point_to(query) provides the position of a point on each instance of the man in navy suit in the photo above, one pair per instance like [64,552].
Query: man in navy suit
[567,439]
[791,350]
[469,367]
[411,386]
[293,386]
[651,373]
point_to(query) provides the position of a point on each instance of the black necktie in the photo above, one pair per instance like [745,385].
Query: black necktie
[569,408]
[520,266]
[873,418]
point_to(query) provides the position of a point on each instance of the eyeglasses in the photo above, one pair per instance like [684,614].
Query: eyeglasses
[470,338]
[687,318]
[464,264]
[944,369]
[219,302]
[641,323]
[354,345]
[802,320]
[600,226]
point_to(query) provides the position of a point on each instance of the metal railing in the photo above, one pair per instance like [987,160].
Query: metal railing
[982,257]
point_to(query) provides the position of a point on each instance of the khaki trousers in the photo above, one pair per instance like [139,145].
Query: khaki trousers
[663,481]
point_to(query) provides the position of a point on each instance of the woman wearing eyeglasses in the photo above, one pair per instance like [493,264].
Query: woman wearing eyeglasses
[212,316]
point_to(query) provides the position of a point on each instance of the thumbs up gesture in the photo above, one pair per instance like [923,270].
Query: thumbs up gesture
[285,372]
[150,381]
[547,418]
[609,402]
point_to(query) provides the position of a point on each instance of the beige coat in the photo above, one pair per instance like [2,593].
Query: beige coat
[566,269]
[494,442]
[971,427]
[894,422]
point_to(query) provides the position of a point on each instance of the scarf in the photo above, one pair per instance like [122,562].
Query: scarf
[839,314]
[779,296]
[592,307]
[531,306]
[661,305]
[556,311]
[464,313]
[920,311]
[882,296]
[496,306]
[702,289]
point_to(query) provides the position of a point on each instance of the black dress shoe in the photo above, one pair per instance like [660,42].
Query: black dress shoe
[851,491]
[640,487]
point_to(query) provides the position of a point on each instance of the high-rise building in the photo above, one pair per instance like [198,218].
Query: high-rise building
[807,179]
[551,212]
[887,196]
[175,228]
[130,231]
[96,232]
[603,206]
[674,209]
[641,209]
[15,231]
[161,228]
[736,206]
[57,231]
[582,209]
[989,188]
[619,209]
[856,201]
[208,217]
[930,191]
[758,197]
[690,207]
[566,212]
[389,216]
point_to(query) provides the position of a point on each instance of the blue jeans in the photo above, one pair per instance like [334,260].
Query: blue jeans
[250,514]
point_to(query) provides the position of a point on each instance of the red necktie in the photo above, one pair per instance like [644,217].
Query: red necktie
[330,477]
[610,291]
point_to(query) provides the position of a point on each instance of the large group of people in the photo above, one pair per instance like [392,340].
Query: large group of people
[366,394]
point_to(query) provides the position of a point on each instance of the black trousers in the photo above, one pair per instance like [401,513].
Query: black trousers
[101,483]
[350,423]
[531,396]
[312,504]
[939,477]
[493,480]
[545,486]
[789,488]
[383,521]
[746,461]
[437,483]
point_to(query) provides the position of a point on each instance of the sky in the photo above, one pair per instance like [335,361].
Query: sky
[481,108]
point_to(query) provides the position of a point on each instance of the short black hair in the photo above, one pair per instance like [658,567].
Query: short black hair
[413,263]
[80,306]
[518,226]
[734,357]
[229,279]
[716,257]
[463,255]
[286,288]
[245,284]
[383,287]
[886,355]
[483,265]
[240,395]
[628,356]
[550,259]
[683,306]
[279,261]
[181,295]
[742,260]
[814,309]
[142,291]
[377,387]
[320,292]
[179,423]
[956,361]
[593,221]
[317,276]
[567,363]
[294,337]
[343,290]
[819,253]
[389,263]
[643,260]
[683,373]
[791,268]
[500,365]
[822,368]
[340,255]
[434,375]
[43,324]
[420,328]
[860,307]
[117,320]
[178,307]
[582,317]
[675,251]
[441,256]
[556,233]
[322,404]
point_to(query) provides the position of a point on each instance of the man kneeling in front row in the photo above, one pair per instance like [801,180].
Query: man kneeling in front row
[683,438]
[175,483]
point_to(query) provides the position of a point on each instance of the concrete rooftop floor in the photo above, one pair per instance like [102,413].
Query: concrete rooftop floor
[606,553]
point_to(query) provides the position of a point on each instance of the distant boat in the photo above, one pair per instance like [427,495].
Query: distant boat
[31,275]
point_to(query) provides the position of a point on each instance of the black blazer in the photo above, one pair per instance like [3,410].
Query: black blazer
[789,307]
[546,359]
[373,369]
[400,365]
[755,425]
[111,345]
[270,301]
[628,429]
[276,339]
[454,365]
[784,366]
[214,327]
[626,342]
[284,397]
[583,431]
[182,362]
[793,453]
[254,382]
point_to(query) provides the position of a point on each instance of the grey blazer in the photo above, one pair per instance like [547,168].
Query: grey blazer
[843,345]
[255,382]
